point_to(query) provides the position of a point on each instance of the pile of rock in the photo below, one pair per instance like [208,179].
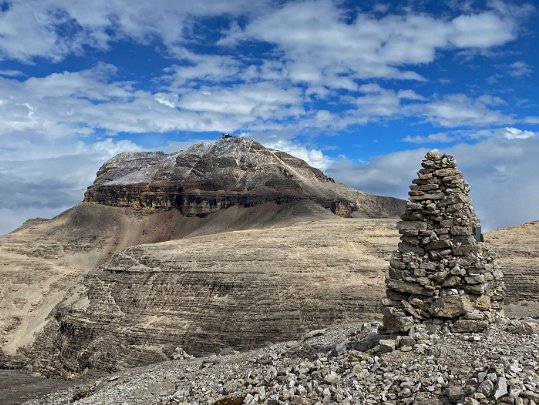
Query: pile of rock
[334,366]
[441,273]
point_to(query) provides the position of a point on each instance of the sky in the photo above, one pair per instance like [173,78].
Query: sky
[359,89]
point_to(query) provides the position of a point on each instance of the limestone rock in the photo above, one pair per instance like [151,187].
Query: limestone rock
[237,290]
[450,306]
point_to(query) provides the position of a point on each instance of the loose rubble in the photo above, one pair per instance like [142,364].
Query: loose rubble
[347,364]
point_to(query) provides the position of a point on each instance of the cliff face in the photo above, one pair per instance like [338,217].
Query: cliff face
[204,294]
[231,171]
[518,257]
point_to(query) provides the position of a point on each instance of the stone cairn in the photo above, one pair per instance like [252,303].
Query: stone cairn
[441,273]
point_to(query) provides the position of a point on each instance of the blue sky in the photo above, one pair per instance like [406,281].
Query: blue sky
[359,89]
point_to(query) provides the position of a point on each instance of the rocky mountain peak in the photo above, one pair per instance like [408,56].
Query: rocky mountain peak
[230,171]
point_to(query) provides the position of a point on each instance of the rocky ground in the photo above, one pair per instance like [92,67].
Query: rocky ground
[17,387]
[345,364]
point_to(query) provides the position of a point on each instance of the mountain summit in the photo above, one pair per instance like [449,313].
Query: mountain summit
[231,171]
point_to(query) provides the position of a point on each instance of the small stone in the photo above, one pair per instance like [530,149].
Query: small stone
[386,345]
[469,325]
[315,333]
[455,393]
[532,396]
[486,388]
[501,388]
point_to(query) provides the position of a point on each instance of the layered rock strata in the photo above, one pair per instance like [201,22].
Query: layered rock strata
[212,176]
[441,272]
[235,290]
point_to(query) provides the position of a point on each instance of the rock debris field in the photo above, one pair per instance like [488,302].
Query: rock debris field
[348,364]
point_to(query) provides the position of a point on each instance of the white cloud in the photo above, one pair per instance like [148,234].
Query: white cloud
[460,110]
[76,103]
[168,99]
[33,28]
[11,73]
[249,101]
[531,120]
[320,45]
[499,171]
[202,68]
[439,137]
[482,30]
[520,69]
[515,133]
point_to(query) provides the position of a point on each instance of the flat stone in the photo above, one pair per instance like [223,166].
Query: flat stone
[413,225]
[439,244]
[410,288]
[452,281]
[415,216]
[469,326]
[477,279]
[386,345]
[428,196]
[405,248]
[446,172]
[477,289]
[450,306]
[533,396]
[501,388]
[461,230]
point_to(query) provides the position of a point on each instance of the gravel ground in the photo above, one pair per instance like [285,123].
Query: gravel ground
[345,364]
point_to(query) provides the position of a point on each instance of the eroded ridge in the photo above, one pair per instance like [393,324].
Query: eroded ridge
[441,272]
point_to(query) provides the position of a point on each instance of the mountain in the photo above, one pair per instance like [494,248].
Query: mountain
[231,171]
[73,285]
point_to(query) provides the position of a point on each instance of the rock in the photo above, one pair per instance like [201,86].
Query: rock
[315,333]
[486,388]
[450,306]
[501,388]
[412,225]
[386,345]
[482,303]
[469,325]
[454,393]
[530,395]
[410,288]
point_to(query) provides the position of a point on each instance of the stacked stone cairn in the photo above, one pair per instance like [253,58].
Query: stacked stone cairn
[441,274]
